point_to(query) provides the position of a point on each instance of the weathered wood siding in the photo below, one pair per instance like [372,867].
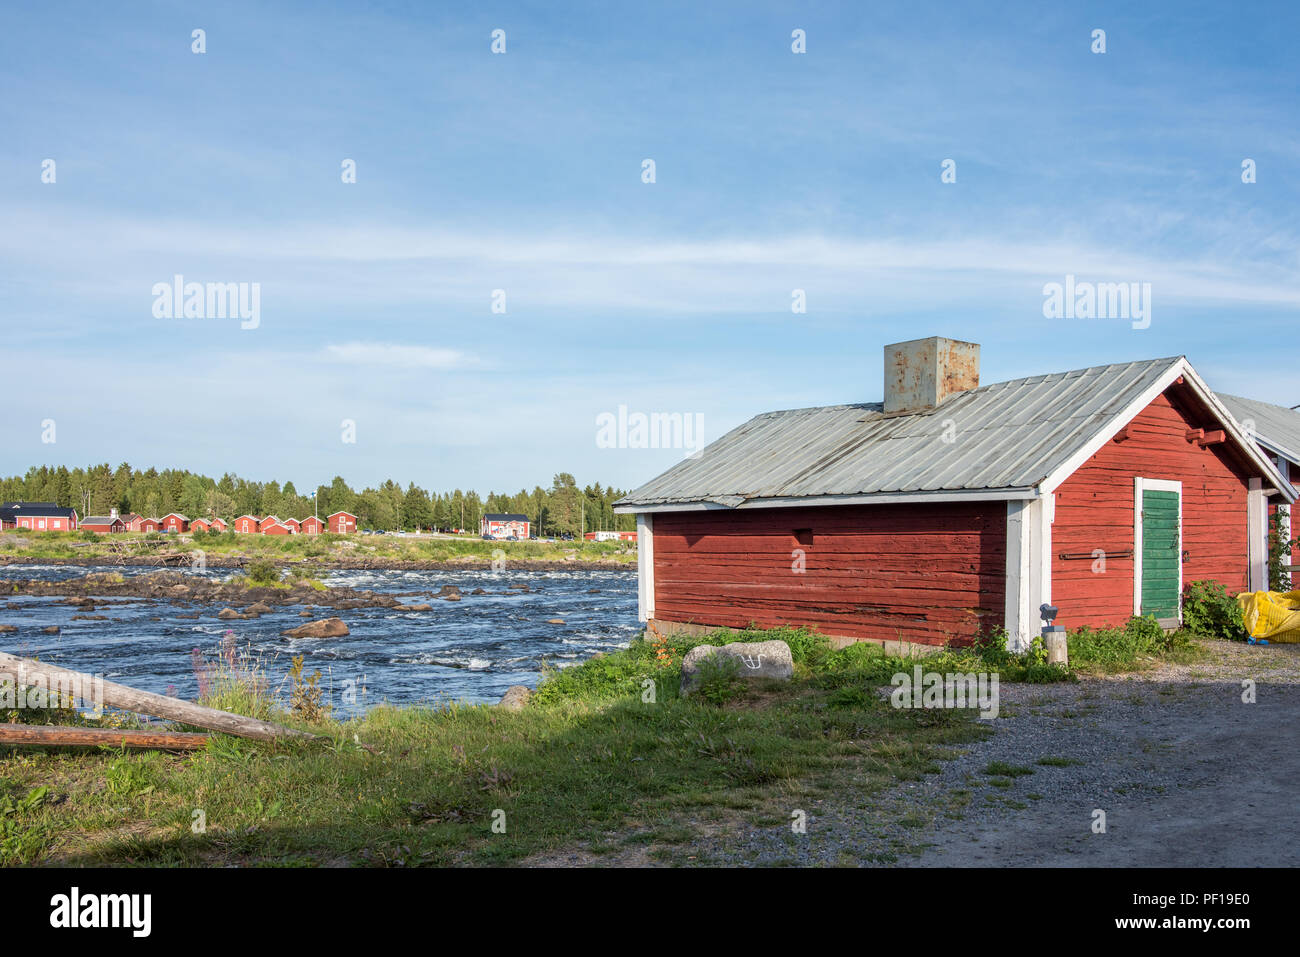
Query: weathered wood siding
[920,573]
[1094,510]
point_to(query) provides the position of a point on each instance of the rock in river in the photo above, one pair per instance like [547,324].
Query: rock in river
[226,614]
[324,628]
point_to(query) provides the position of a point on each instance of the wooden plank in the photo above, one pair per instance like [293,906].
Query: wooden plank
[57,735]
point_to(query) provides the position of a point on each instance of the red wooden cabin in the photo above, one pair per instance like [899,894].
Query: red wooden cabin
[952,508]
[175,522]
[312,525]
[342,523]
[246,524]
[104,524]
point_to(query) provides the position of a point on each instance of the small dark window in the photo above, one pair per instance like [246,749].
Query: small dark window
[803,536]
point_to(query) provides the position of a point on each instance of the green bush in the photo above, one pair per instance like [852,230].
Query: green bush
[262,572]
[1210,612]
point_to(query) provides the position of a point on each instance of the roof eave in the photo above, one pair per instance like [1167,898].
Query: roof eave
[824,501]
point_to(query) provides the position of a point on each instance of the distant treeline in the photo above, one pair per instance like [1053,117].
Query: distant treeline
[94,491]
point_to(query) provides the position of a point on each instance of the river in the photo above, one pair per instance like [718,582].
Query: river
[470,650]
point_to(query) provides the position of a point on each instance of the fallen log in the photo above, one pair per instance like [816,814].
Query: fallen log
[56,735]
[94,691]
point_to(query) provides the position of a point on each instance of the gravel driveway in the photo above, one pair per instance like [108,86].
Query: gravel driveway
[1186,773]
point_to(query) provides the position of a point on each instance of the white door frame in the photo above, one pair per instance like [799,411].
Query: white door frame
[1141,485]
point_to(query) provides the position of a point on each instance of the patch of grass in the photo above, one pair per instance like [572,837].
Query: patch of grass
[1051,761]
[1001,768]
[1138,642]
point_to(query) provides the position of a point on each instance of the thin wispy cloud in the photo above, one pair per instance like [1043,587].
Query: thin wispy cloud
[399,356]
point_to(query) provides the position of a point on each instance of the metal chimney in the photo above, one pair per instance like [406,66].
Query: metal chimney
[921,373]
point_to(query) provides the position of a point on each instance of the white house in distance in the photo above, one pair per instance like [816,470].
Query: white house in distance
[504,524]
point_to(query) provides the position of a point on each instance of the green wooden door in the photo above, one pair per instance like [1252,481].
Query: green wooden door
[1161,557]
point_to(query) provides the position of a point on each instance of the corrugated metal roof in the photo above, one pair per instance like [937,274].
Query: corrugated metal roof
[1275,425]
[1009,435]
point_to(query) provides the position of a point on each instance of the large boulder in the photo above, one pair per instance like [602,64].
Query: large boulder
[258,608]
[753,659]
[515,698]
[324,628]
[228,614]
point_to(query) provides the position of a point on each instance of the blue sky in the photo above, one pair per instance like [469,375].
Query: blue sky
[522,172]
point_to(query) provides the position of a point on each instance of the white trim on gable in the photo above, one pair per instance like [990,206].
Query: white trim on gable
[1180,367]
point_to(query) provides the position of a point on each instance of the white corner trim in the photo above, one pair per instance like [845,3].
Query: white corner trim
[645,567]
[1029,568]
[1141,485]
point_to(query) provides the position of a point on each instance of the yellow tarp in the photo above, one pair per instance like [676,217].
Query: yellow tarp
[1272,615]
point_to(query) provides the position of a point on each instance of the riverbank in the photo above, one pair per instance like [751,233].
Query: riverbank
[230,550]
[606,763]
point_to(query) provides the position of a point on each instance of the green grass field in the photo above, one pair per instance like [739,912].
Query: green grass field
[89,548]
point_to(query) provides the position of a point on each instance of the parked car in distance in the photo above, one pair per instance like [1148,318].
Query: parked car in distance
[488,538]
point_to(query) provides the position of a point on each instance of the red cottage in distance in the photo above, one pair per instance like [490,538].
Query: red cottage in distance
[103,524]
[312,525]
[199,525]
[952,508]
[246,525]
[293,525]
[175,522]
[342,523]
[218,525]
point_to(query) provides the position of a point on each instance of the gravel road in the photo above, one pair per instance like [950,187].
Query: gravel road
[1185,771]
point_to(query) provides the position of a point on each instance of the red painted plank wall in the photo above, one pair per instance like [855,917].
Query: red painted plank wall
[921,573]
[1094,509]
